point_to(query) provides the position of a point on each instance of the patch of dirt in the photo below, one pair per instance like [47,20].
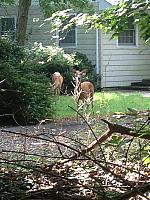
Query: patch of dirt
[41,138]
[55,127]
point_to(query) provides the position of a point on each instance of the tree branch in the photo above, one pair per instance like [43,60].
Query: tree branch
[112,128]
[134,192]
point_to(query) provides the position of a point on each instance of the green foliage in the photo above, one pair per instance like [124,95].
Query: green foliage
[50,7]
[113,19]
[117,17]
[25,92]
[106,103]
[4,2]
[53,58]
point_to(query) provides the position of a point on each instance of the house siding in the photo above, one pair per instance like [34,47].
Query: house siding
[120,66]
[86,44]
[36,32]
[86,41]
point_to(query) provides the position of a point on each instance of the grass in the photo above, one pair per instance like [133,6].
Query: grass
[105,103]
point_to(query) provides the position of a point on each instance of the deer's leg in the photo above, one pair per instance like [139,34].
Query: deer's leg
[92,104]
[77,110]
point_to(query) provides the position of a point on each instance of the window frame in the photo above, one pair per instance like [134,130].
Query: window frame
[14,30]
[68,45]
[129,45]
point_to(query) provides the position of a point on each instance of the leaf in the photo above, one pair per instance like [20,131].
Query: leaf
[146,160]
[125,141]
[115,140]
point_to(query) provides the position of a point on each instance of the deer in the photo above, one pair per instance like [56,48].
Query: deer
[83,91]
[57,81]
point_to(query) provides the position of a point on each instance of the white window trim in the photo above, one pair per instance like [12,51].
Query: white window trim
[130,46]
[74,45]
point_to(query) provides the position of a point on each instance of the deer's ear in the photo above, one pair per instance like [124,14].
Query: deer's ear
[83,72]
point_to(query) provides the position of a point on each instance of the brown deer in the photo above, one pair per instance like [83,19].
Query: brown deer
[57,81]
[83,91]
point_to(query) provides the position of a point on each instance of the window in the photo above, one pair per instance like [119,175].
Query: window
[7,27]
[68,38]
[128,36]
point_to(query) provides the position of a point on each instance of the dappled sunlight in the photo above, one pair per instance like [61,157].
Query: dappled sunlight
[110,102]
[104,95]
[104,103]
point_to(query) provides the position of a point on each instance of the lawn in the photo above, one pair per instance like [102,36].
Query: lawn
[105,103]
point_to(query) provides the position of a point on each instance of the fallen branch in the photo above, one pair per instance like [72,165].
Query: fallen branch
[112,128]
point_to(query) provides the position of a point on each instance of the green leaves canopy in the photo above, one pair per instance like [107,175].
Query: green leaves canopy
[51,6]
[2,2]
[114,19]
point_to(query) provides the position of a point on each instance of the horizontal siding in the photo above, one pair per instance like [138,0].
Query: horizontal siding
[84,38]
[120,66]
[8,11]
[86,41]
[113,46]
[35,32]
[120,81]
[124,78]
[127,62]
[126,52]
[35,10]
[127,73]
[126,68]
[124,57]
[90,46]
[33,2]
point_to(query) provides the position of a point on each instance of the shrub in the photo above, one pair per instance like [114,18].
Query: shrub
[54,59]
[84,63]
[25,92]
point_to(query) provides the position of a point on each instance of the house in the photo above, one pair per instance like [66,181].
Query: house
[118,62]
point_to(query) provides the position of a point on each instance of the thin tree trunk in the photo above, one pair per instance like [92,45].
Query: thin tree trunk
[22,20]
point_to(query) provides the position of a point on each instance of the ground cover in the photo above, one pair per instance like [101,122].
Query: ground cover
[66,159]
[69,160]
[105,103]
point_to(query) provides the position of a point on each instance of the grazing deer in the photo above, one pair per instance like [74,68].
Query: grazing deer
[57,81]
[83,91]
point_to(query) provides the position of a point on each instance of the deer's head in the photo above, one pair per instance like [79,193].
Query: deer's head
[77,76]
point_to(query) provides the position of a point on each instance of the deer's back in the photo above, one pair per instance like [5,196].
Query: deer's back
[57,79]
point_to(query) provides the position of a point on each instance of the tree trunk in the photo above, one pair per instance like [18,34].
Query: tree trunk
[22,20]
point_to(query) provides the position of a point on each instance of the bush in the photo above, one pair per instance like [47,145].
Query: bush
[25,92]
[84,63]
[54,59]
